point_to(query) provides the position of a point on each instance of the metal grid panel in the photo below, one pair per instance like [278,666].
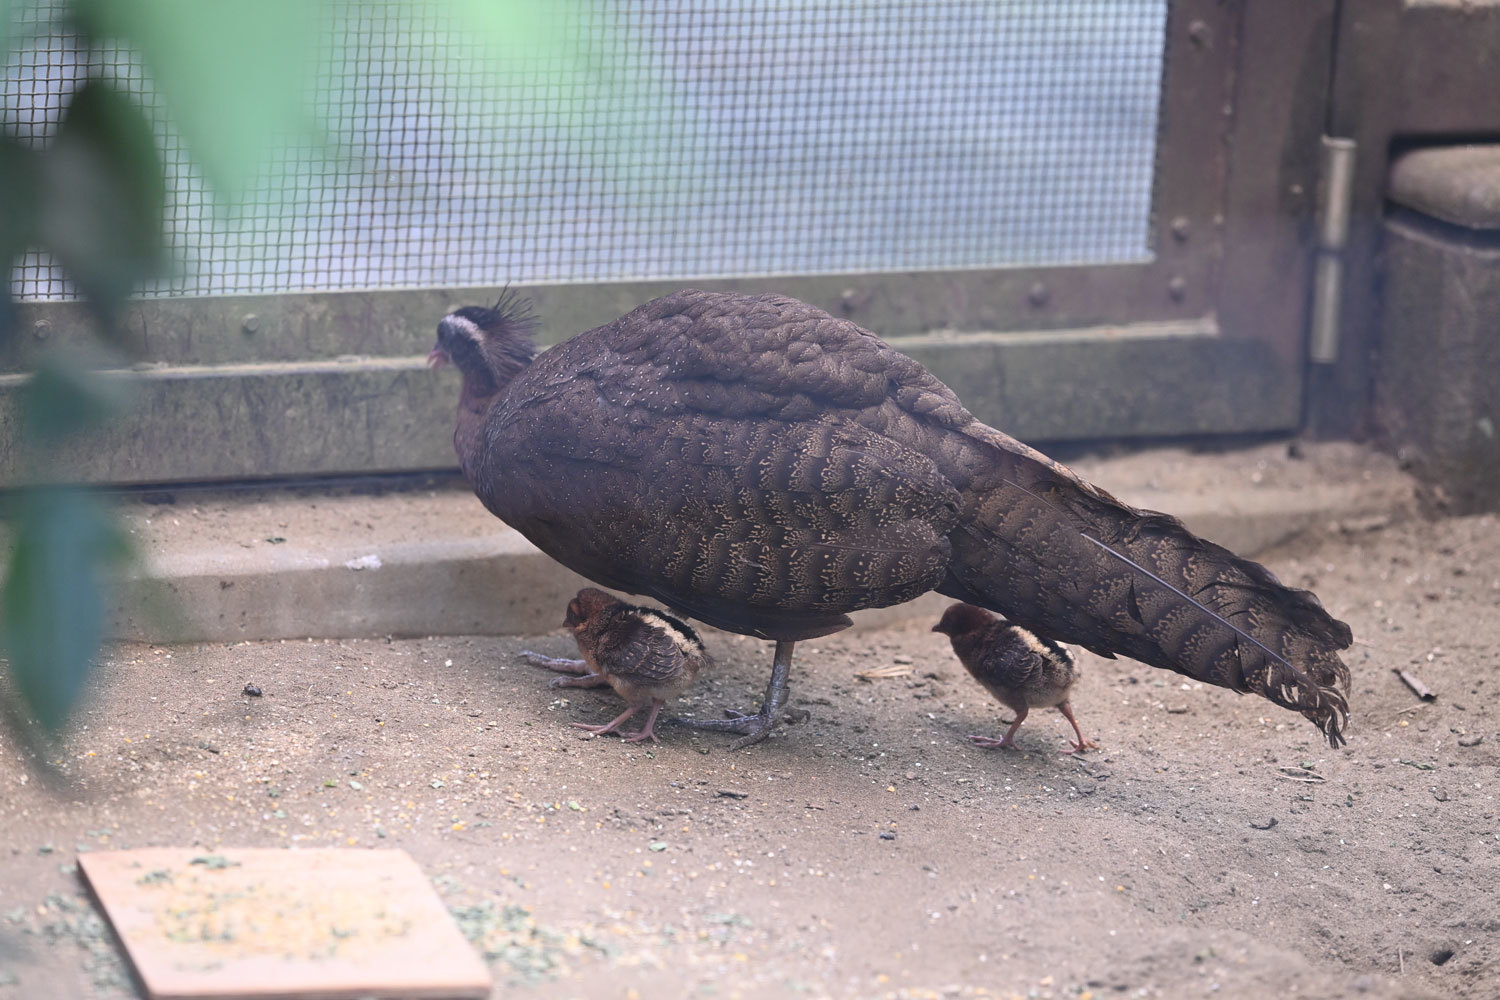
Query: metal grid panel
[726,139]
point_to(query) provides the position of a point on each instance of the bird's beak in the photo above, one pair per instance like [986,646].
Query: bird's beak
[437,358]
[936,628]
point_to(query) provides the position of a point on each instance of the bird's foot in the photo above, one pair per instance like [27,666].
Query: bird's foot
[1080,747]
[586,681]
[648,731]
[585,678]
[600,730]
[990,743]
[753,728]
[758,726]
[733,722]
[561,665]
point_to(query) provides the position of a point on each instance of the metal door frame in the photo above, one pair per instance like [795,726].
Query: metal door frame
[1409,73]
[1204,338]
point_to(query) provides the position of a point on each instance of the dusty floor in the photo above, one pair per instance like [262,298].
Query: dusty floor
[1214,846]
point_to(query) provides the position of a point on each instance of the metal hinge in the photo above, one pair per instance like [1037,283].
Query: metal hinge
[1333,236]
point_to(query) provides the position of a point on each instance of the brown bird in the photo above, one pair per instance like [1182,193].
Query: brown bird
[646,655]
[1023,671]
[757,464]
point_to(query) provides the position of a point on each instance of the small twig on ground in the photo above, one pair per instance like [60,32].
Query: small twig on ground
[1417,687]
[1401,958]
[884,673]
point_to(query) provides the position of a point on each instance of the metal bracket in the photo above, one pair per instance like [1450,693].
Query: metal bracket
[1333,237]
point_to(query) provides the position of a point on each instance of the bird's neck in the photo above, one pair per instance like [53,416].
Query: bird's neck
[968,645]
[474,404]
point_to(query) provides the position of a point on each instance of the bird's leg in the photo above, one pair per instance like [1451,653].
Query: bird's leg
[585,681]
[611,724]
[1008,740]
[588,678]
[759,726]
[647,732]
[755,727]
[561,665]
[1082,744]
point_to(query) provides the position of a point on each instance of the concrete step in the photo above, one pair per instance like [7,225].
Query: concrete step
[265,564]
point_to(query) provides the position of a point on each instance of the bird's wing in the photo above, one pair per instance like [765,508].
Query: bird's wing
[638,652]
[1006,661]
[718,461]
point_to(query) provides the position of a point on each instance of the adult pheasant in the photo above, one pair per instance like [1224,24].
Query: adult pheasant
[764,467]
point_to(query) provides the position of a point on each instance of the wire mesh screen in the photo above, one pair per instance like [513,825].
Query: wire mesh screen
[665,140]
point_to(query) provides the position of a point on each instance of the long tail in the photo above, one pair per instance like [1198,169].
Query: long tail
[1070,562]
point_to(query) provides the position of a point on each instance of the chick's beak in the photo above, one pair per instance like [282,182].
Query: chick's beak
[437,358]
[936,628]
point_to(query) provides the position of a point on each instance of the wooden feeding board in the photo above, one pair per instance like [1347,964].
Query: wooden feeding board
[319,924]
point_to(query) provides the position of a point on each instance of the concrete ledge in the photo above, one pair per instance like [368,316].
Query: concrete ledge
[229,567]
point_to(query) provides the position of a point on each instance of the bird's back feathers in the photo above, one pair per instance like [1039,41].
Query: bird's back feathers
[707,450]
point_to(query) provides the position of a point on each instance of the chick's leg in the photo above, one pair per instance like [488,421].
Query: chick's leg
[757,726]
[588,678]
[1082,744]
[647,732]
[1008,740]
[611,725]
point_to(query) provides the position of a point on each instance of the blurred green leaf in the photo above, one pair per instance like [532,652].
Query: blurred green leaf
[18,198]
[63,399]
[592,68]
[524,29]
[19,182]
[52,604]
[54,598]
[231,72]
[102,192]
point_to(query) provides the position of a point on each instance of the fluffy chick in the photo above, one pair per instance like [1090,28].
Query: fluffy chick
[1022,670]
[646,655]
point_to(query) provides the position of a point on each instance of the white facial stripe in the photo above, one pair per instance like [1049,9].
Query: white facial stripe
[465,326]
[679,639]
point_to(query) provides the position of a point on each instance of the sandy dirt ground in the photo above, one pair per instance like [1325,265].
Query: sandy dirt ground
[1213,847]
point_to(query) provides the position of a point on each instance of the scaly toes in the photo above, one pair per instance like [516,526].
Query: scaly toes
[596,730]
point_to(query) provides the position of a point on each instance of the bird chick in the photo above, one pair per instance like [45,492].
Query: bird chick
[1022,670]
[646,655]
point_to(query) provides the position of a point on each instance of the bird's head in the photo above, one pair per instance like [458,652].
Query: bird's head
[960,619]
[488,345]
[589,602]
